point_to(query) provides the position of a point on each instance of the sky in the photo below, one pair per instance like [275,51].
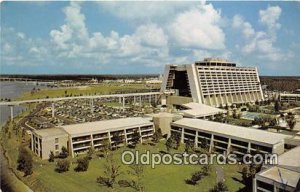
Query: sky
[142,37]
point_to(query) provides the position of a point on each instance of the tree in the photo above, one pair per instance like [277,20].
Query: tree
[135,138]
[62,165]
[247,180]
[248,173]
[291,121]
[195,178]
[204,144]
[219,118]
[206,169]
[189,145]
[64,153]
[137,171]
[177,138]
[171,143]
[82,164]
[277,106]
[111,172]
[219,187]
[236,114]
[116,139]
[24,162]
[51,157]
[157,135]
[273,122]
[106,147]
[90,153]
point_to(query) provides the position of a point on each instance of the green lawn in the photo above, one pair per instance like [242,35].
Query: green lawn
[163,178]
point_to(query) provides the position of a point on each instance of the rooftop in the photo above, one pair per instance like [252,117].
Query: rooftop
[281,175]
[200,110]
[290,159]
[164,114]
[114,124]
[50,132]
[290,94]
[232,130]
[288,169]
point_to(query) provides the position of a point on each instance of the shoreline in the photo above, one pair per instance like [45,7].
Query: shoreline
[9,179]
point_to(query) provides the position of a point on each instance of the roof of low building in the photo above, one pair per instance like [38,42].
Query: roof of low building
[114,124]
[232,130]
[200,110]
[164,114]
[281,175]
[287,170]
[50,132]
[290,94]
[290,159]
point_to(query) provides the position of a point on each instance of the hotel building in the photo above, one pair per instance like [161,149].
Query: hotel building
[213,82]
[219,137]
[79,138]
[289,97]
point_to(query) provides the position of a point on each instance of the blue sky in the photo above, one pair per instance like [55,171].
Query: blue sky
[141,37]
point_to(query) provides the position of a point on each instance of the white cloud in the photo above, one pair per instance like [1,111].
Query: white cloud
[152,35]
[239,23]
[199,28]
[145,45]
[270,16]
[146,10]
[21,35]
[18,50]
[261,43]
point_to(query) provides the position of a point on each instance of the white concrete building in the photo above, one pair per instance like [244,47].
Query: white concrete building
[213,82]
[200,111]
[80,137]
[85,135]
[220,137]
[289,97]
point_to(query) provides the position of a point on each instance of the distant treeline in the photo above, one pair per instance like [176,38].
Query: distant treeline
[80,77]
[281,83]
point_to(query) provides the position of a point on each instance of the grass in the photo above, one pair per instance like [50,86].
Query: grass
[103,88]
[162,178]
[239,122]
[10,147]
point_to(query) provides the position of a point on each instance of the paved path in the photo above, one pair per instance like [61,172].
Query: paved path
[220,173]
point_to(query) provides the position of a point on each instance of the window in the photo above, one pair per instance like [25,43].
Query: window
[56,147]
[56,140]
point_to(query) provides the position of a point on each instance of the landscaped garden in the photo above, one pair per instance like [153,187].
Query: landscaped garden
[45,177]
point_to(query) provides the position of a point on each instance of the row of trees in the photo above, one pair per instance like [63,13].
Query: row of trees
[267,120]
[63,164]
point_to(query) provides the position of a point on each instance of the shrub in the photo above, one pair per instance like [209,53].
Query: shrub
[24,162]
[64,153]
[51,157]
[62,165]
[124,183]
[82,164]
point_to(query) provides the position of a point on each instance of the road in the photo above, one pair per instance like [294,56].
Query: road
[78,97]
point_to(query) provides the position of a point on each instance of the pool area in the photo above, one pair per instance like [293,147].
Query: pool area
[250,115]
